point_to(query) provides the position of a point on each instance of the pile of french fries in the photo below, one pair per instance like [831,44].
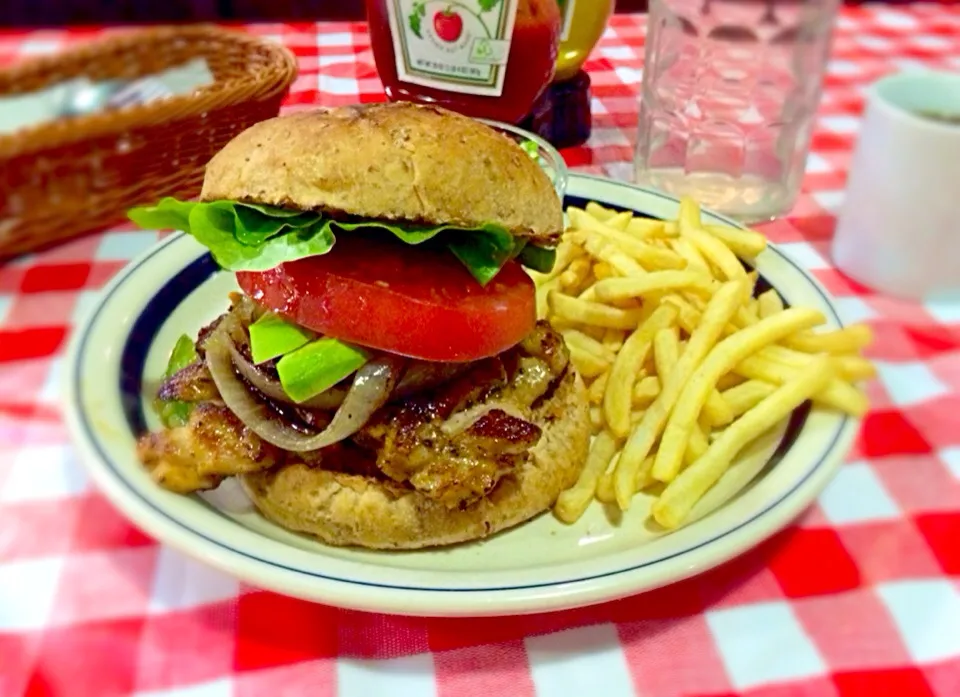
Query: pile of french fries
[685,365]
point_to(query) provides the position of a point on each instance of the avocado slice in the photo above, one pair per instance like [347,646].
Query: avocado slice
[317,366]
[272,336]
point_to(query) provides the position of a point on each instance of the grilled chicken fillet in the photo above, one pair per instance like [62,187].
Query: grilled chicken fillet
[453,441]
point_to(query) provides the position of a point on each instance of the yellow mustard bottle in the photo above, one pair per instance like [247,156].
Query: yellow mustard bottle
[562,113]
[583,25]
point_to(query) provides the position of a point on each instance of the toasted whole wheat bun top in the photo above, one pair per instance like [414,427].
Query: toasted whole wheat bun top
[392,161]
[352,510]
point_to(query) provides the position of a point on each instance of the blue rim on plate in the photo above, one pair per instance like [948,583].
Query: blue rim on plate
[195,273]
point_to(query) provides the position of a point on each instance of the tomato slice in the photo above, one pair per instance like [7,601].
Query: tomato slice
[413,301]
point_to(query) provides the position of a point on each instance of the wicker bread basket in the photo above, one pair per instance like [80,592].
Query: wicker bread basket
[61,179]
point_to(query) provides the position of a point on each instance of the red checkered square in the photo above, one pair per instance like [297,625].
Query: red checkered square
[686,663]
[942,532]
[37,528]
[273,630]
[49,277]
[888,551]
[103,271]
[944,677]
[936,419]
[746,579]
[21,381]
[888,432]
[180,648]
[449,634]
[814,562]
[18,654]
[361,635]
[852,630]
[105,585]
[315,678]
[11,278]
[935,341]
[897,682]
[919,483]
[817,687]
[35,342]
[676,600]
[100,526]
[947,365]
[482,671]
[88,660]
[40,310]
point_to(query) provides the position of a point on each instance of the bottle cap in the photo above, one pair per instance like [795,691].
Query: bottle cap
[562,114]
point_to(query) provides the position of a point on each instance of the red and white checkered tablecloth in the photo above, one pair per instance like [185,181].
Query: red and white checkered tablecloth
[861,597]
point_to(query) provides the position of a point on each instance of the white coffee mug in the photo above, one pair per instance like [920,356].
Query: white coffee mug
[899,228]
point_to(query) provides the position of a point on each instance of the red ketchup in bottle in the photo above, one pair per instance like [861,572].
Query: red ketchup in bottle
[484,58]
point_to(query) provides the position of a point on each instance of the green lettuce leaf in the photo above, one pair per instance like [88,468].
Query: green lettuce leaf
[249,237]
[537,258]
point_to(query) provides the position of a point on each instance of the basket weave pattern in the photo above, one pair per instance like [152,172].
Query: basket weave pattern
[66,178]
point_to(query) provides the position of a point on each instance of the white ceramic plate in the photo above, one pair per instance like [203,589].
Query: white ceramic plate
[120,351]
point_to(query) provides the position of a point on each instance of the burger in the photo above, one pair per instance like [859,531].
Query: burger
[380,378]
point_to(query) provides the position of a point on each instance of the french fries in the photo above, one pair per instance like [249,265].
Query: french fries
[684,367]
[721,359]
[718,312]
[619,395]
[683,492]
[574,501]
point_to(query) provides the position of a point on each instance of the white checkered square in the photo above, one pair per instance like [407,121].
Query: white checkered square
[215,688]
[28,590]
[844,68]
[335,39]
[932,42]
[910,382]
[856,495]
[804,254]
[951,456]
[944,307]
[6,300]
[762,643]
[853,309]
[927,613]
[818,165]
[86,301]
[875,43]
[617,52]
[629,76]
[180,582]
[51,392]
[568,662]
[337,85]
[124,246]
[44,472]
[841,124]
[830,201]
[910,65]
[896,20]
[409,676]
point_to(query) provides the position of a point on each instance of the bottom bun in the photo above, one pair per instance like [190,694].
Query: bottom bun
[349,509]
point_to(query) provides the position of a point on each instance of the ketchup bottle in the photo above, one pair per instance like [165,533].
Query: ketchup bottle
[484,58]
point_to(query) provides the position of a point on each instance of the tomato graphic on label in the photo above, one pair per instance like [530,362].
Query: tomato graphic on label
[448,25]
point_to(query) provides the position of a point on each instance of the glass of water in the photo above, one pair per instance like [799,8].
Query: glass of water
[730,89]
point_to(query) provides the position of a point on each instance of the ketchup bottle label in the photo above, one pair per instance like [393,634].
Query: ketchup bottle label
[454,45]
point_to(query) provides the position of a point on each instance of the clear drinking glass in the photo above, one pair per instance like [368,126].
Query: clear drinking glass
[730,89]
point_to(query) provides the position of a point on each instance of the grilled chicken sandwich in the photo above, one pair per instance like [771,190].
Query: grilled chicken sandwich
[380,379]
